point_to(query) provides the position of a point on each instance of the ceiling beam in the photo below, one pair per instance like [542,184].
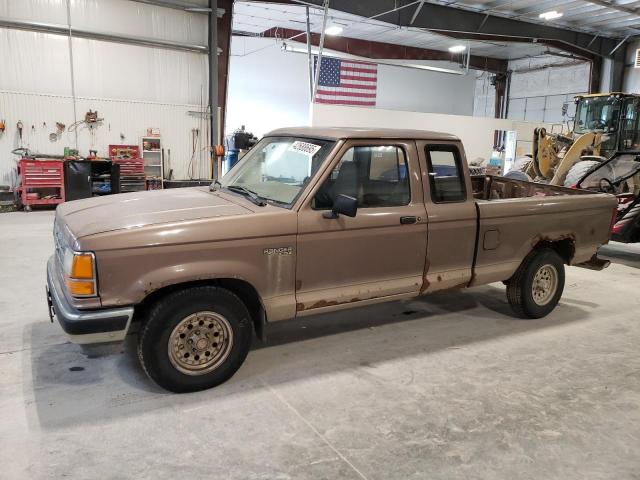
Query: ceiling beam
[388,51]
[465,23]
[615,6]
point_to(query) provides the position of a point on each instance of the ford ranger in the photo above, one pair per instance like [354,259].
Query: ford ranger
[311,220]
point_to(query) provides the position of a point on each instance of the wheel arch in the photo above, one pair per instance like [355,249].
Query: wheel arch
[564,247]
[243,289]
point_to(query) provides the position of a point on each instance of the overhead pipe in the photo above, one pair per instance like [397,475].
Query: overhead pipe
[310,58]
[73,77]
[346,56]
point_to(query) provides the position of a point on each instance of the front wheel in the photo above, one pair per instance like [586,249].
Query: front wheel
[536,287]
[195,339]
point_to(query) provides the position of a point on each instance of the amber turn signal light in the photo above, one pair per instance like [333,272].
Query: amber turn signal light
[81,288]
[82,266]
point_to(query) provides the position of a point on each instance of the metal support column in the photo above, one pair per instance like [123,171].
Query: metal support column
[213,77]
[320,47]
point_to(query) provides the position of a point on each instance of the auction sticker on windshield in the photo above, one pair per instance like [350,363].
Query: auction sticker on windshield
[304,147]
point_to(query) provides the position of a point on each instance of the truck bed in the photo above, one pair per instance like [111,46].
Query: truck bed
[514,216]
[488,187]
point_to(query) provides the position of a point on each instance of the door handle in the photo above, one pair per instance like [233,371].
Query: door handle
[408,220]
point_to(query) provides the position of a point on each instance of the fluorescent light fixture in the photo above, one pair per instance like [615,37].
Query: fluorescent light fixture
[551,15]
[393,63]
[333,30]
[457,48]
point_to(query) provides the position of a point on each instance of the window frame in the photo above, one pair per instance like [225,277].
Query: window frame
[347,148]
[445,147]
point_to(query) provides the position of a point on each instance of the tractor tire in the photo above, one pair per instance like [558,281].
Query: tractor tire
[579,171]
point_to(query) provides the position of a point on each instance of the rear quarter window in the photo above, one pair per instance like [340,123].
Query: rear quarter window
[446,175]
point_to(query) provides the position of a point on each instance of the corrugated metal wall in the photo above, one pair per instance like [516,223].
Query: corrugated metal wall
[484,100]
[132,87]
[538,95]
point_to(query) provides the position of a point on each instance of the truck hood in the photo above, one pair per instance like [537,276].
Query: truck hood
[139,209]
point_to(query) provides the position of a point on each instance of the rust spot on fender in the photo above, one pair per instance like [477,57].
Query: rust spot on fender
[439,278]
[546,238]
[324,303]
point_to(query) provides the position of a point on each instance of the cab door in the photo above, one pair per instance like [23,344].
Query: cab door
[381,251]
[451,213]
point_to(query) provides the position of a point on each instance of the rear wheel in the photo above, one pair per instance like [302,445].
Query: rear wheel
[536,287]
[195,339]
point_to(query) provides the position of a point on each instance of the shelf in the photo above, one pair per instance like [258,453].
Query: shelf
[151,151]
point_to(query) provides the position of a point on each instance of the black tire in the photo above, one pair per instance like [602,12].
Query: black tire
[173,310]
[520,287]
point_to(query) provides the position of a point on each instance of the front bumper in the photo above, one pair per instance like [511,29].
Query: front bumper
[85,326]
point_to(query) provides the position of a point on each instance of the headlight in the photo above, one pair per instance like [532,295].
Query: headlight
[80,273]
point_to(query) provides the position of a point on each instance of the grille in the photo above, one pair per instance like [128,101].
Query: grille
[58,242]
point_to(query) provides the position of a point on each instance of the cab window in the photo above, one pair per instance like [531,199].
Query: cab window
[446,176]
[377,176]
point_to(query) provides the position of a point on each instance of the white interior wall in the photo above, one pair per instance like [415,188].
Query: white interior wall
[477,134]
[269,88]
[132,87]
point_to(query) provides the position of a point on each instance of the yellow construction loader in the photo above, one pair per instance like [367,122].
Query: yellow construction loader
[605,124]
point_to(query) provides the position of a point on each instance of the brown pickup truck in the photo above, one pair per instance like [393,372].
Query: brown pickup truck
[311,220]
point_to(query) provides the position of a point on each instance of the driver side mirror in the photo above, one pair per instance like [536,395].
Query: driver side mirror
[343,204]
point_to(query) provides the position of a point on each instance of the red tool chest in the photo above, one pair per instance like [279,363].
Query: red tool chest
[42,181]
[132,176]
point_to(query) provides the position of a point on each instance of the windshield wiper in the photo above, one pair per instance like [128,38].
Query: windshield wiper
[215,185]
[250,194]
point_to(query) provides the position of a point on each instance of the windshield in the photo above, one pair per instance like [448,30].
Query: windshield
[598,114]
[276,169]
[620,168]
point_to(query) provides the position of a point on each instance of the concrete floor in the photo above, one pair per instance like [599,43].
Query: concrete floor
[448,387]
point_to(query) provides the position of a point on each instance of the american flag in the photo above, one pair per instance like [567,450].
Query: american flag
[347,82]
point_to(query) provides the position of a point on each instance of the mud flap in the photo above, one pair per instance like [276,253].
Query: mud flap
[594,263]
